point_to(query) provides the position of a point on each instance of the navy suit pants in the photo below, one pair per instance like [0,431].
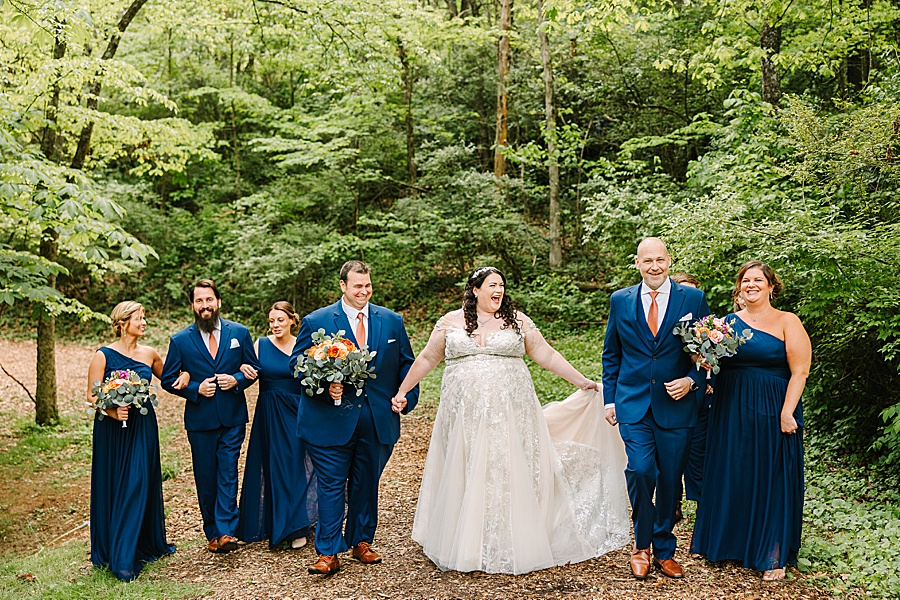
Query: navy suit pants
[214,455]
[656,461]
[355,467]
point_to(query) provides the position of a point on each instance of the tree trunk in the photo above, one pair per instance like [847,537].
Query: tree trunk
[408,78]
[45,409]
[502,88]
[93,99]
[236,150]
[770,42]
[550,133]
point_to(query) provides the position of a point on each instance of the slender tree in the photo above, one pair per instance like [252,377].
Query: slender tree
[503,58]
[550,134]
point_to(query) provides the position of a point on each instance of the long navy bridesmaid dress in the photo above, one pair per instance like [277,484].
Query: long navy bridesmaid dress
[278,496]
[128,523]
[751,509]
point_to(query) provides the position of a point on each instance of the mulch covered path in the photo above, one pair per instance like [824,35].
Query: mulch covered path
[253,571]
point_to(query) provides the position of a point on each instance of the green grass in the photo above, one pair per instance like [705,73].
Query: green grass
[170,459]
[63,573]
[33,448]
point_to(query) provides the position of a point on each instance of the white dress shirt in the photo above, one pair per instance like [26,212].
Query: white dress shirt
[352,317]
[216,332]
[662,300]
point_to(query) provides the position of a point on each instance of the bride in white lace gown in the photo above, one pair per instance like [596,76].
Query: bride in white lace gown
[507,487]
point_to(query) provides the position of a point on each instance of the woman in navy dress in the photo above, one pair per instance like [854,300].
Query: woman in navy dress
[278,498]
[752,504]
[128,524]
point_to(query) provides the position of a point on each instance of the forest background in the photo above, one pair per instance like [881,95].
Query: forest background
[146,143]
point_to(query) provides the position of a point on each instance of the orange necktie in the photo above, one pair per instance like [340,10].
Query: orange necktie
[360,330]
[213,345]
[653,314]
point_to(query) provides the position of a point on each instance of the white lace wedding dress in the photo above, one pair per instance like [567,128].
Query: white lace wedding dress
[509,487]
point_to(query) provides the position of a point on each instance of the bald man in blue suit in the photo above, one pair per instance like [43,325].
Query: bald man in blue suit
[649,386]
[350,444]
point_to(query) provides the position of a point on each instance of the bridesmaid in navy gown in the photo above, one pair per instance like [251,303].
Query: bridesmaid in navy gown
[128,526]
[752,504]
[278,498]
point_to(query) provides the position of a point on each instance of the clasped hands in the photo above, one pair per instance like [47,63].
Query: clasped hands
[221,381]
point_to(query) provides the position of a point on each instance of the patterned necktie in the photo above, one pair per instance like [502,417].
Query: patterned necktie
[213,345]
[360,330]
[653,314]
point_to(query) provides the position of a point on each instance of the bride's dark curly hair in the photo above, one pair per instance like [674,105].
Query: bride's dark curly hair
[507,311]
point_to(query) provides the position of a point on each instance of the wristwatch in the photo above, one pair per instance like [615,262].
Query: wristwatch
[694,386]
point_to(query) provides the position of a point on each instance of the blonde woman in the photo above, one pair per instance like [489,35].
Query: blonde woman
[128,525]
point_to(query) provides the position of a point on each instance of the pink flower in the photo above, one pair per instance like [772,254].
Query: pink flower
[716,336]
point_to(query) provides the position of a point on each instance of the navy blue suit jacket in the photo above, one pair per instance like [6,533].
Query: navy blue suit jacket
[319,421]
[187,352]
[637,364]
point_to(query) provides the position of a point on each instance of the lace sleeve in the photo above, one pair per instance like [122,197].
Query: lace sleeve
[526,323]
[442,324]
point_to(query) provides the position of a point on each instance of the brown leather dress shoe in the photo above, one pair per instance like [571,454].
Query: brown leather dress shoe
[227,543]
[640,562]
[363,553]
[326,565]
[213,545]
[669,567]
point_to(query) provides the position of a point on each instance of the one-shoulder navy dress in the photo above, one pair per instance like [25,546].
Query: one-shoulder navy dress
[278,496]
[128,523]
[752,504]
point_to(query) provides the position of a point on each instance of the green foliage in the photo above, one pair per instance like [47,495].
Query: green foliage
[58,574]
[851,524]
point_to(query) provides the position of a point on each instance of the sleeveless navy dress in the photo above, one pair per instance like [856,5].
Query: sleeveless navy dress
[128,523]
[751,509]
[278,496]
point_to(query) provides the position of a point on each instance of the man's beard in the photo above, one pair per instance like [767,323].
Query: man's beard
[207,324]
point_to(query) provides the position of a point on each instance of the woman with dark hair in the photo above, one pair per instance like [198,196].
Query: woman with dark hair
[128,522]
[278,496]
[500,493]
[752,504]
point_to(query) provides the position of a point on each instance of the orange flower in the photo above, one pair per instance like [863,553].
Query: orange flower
[350,345]
[701,330]
[319,353]
[334,351]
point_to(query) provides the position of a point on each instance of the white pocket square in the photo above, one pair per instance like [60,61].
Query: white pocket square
[235,343]
[687,317]
[391,341]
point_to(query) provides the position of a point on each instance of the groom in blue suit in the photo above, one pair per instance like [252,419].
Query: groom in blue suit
[648,388]
[350,444]
[212,351]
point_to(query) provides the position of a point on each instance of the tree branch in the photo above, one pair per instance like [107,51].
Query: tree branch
[93,100]
[22,385]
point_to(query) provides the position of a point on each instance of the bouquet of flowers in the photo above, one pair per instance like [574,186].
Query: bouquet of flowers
[123,388]
[334,359]
[711,338]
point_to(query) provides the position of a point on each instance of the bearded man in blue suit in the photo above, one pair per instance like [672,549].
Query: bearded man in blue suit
[212,351]
[648,388]
[350,443]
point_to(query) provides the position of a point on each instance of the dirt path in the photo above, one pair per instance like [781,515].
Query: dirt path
[253,571]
